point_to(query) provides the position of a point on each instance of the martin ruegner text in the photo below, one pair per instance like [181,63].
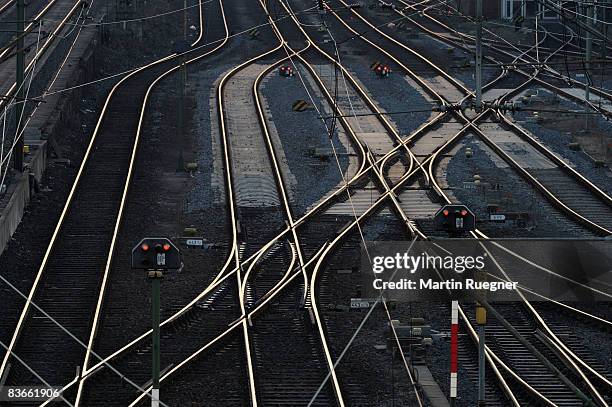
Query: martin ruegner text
[430,284]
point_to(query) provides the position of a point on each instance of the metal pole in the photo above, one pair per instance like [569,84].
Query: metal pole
[587,60]
[155,304]
[481,365]
[454,343]
[19,106]
[182,73]
[478,55]
[185,20]
[481,320]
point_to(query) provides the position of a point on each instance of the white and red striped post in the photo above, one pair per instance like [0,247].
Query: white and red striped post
[454,342]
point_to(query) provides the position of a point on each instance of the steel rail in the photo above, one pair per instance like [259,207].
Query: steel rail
[86,373]
[399,211]
[398,208]
[494,360]
[28,28]
[523,134]
[278,283]
[347,126]
[228,163]
[263,123]
[257,256]
[413,230]
[380,202]
[63,214]
[124,197]
[567,354]
[233,325]
[223,275]
[549,70]
[6,5]
[283,194]
[387,191]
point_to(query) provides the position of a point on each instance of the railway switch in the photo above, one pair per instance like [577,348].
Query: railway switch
[455,219]
[156,254]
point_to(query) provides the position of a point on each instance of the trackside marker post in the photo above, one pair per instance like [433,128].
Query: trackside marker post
[454,342]
[155,255]
[481,320]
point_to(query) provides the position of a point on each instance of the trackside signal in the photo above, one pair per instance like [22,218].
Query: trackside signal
[285,71]
[455,219]
[156,254]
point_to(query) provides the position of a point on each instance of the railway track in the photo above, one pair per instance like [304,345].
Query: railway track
[275,264]
[597,198]
[86,230]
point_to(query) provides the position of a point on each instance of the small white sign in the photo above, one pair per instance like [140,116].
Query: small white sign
[497,217]
[360,303]
[161,259]
[195,242]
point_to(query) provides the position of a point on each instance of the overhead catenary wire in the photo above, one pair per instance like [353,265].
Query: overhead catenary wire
[552,72]
[130,70]
[48,93]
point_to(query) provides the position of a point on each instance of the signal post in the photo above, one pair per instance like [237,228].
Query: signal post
[457,220]
[155,255]
[481,320]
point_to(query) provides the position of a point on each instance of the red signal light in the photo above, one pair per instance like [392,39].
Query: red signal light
[144,247]
[445,212]
[166,247]
[379,68]
[463,212]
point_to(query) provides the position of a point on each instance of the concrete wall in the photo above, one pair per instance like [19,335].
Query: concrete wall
[19,192]
[65,109]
